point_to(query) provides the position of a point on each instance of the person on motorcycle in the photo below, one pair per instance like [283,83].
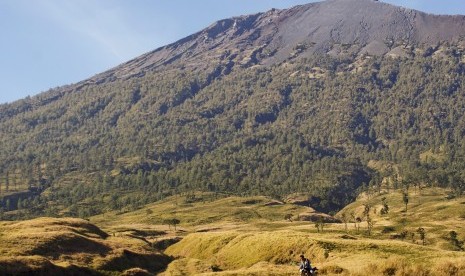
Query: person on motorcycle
[305,268]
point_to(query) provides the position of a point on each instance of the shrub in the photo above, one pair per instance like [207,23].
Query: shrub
[388,229]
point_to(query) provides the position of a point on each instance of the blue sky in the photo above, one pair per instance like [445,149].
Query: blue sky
[48,43]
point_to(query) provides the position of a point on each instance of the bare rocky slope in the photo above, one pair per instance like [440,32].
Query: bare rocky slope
[332,26]
[335,27]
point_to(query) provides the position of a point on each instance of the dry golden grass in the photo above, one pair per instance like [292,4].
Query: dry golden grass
[136,272]
[240,236]
[238,253]
[249,236]
[188,266]
[204,209]
[47,236]
[17,265]
[205,214]
[54,246]
[428,209]
[397,266]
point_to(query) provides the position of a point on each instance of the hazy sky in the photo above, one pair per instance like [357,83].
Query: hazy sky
[48,43]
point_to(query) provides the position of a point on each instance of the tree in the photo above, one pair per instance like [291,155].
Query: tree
[366,213]
[7,182]
[395,181]
[370,225]
[358,220]
[453,237]
[457,185]
[317,226]
[385,208]
[405,199]
[175,222]
[403,235]
[320,224]
[8,205]
[15,182]
[421,231]
[288,217]
[167,222]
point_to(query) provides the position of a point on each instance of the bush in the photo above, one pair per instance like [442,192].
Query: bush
[388,229]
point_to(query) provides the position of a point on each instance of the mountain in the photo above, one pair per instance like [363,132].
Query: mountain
[322,100]
[368,26]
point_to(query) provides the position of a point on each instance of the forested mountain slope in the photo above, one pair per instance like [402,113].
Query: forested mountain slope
[301,100]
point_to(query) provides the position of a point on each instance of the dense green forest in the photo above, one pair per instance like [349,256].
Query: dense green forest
[311,125]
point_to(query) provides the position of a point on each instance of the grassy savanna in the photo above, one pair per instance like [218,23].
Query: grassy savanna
[250,236]
[206,212]
[427,208]
[219,235]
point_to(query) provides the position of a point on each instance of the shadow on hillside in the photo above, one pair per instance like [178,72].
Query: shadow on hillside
[37,266]
[69,243]
[128,259]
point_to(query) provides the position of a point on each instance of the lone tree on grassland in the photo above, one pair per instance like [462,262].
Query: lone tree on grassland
[368,219]
[405,200]
[320,224]
[173,222]
[453,237]
[421,231]
[358,220]
[385,208]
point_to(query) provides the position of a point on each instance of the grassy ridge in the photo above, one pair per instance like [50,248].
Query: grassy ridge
[231,251]
[60,246]
[207,212]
